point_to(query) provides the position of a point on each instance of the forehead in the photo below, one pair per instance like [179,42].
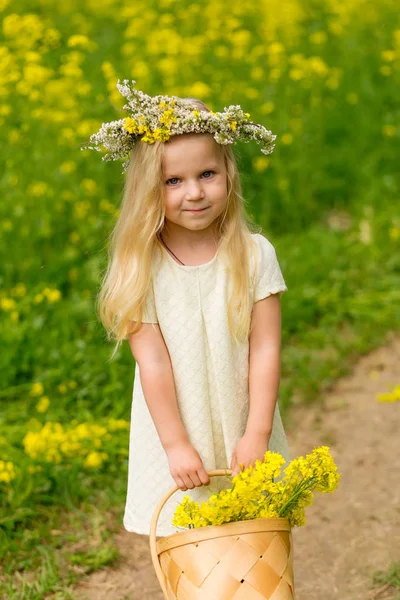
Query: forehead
[190,150]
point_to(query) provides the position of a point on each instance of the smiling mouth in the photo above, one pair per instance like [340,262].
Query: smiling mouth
[196,209]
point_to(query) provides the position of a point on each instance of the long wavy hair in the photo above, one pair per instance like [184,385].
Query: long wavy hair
[135,241]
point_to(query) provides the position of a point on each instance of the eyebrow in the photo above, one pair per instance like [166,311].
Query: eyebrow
[210,167]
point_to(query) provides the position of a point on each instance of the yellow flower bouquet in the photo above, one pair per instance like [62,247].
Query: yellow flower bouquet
[256,493]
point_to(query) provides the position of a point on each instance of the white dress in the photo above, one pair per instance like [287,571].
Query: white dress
[211,383]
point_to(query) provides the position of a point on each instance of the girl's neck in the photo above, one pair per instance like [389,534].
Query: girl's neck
[192,241]
[190,255]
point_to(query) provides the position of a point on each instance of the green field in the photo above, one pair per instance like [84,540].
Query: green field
[324,77]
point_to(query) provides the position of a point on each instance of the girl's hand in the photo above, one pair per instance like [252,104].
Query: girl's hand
[186,466]
[251,446]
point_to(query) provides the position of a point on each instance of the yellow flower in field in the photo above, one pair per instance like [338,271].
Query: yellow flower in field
[260,163]
[276,48]
[74,237]
[43,404]
[81,41]
[37,188]
[389,130]
[296,74]
[7,304]
[385,70]
[52,295]
[118,424]
[67,134]
[388,55]
[287,138]
[51,38]
[89,185]
[19,290]
[7,471]
[95,459]
[83,88]
[257,73]
[31,56]
[318,66]
[199,89]
[68,167]
[37,75]
[233,125]
[393,396]
[335,27]
[252,93]
[333,81]
[14,136]
[394,233]
[221,51]
[167,66]
[34,468]
[37,389]
[267,108]
[318,37]
[7,225]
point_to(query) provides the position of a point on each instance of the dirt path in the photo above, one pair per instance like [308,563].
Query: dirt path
[349,534]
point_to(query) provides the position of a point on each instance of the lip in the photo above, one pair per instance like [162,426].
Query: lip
[198,210]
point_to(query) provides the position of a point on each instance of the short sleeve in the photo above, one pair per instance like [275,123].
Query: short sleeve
[149,307]
[269,278]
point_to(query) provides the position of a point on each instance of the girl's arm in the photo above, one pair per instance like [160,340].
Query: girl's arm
[156,376]
[264,364]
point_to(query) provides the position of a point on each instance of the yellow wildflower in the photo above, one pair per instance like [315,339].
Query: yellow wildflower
[7,471]
[95,459]
[43,404]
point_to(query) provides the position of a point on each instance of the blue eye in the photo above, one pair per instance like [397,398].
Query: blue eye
[177,178]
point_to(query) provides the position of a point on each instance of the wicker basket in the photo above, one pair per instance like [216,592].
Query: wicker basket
[243,560]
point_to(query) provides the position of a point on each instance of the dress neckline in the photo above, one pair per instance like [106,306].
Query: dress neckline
[189,267]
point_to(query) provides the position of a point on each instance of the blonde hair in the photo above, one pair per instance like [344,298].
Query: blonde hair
[134,242]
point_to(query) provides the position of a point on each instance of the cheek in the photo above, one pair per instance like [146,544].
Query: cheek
[222,189]
[171,201]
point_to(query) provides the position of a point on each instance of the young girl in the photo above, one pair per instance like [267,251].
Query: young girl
[196,288]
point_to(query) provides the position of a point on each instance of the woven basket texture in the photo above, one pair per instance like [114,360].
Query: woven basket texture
[242,560]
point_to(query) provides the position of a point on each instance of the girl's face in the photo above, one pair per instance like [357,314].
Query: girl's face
[194,178]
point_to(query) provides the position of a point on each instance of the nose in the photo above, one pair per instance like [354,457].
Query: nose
[194,190]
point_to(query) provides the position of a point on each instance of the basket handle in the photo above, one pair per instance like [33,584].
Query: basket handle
[154,521]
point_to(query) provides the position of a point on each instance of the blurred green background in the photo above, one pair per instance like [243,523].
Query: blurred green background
[324,77]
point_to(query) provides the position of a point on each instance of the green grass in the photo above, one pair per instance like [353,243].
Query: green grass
[387,580]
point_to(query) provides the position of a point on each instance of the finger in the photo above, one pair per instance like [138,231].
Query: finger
[187,481]
[204,477]
[196,479]
[180,483]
